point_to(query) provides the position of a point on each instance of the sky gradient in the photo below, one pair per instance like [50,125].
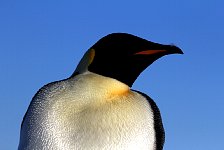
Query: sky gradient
[42,41]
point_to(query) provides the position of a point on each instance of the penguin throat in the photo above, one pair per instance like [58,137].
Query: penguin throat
[106,86]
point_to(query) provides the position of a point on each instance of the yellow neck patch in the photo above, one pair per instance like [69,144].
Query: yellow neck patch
[91,55]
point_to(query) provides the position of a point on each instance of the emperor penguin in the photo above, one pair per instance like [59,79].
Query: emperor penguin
[95,108]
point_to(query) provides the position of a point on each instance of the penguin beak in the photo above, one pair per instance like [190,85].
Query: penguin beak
[149,52]
[165,50]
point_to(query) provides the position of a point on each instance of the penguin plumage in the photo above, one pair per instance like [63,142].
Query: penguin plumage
[95,108]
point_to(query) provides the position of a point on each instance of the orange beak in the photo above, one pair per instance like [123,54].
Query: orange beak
[149,52]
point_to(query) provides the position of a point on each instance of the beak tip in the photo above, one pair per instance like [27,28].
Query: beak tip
[176,50]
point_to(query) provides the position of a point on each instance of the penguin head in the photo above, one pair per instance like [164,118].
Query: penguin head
[123,56]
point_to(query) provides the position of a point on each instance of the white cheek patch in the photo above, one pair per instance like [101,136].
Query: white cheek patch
[86,60]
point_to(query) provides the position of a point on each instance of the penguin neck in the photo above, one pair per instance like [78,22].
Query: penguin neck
[103,85]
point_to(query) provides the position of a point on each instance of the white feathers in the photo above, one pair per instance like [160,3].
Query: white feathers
[88,112]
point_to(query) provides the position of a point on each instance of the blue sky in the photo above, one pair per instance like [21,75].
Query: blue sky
[42,41]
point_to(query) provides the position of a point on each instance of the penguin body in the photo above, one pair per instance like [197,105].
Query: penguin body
[92,105]
[91,110]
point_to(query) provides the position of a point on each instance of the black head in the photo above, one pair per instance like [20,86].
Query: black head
[123,56]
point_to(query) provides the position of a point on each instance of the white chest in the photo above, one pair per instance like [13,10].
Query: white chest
[88,113]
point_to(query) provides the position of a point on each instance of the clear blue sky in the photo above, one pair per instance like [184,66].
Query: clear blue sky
[42,41]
